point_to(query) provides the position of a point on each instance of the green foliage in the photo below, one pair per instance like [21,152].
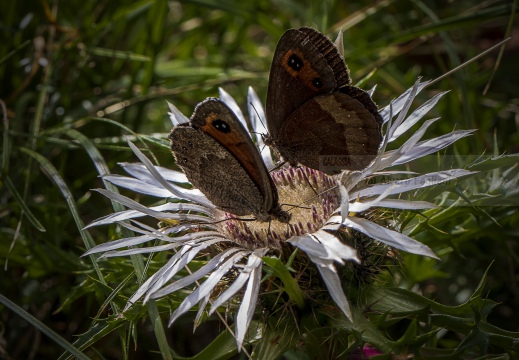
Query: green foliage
[290,285]
[77,78]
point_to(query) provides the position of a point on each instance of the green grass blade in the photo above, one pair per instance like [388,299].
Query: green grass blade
[137,262]
[26,211]
[44,329]
[290,284]
[14,51]
[58,180]
[5,146]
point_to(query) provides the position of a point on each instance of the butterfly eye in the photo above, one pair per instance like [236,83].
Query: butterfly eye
[221,126]
[295,62]
[184,160]
[317,82]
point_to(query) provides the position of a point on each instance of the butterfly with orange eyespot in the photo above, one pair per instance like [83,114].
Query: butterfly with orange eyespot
[314,117]
[219,158]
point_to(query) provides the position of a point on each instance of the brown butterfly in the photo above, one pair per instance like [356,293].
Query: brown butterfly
[219,158]
[314,117]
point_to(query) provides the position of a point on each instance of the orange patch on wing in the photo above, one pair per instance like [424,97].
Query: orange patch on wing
[233,142]
[307,72]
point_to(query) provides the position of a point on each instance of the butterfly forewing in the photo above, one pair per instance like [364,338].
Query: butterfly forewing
[299,72]
[207,165]
[219,157]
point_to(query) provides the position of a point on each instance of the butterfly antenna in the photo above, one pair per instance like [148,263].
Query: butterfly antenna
[319,194]
[264,145]
[278,166]
[239,219]
[296,206]
[258,115]
[308,181]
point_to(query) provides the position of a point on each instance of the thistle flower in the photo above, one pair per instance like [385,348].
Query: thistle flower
[191,224]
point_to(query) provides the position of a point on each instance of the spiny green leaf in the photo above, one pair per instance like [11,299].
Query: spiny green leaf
[277,338]
[98,330]
[488,163]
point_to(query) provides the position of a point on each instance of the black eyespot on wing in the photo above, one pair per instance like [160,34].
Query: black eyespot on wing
[317,82]
[295,62]
[221,126]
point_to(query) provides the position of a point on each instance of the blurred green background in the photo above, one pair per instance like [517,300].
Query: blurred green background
[66,67]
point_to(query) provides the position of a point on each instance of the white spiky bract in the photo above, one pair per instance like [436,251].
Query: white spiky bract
[322,247]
